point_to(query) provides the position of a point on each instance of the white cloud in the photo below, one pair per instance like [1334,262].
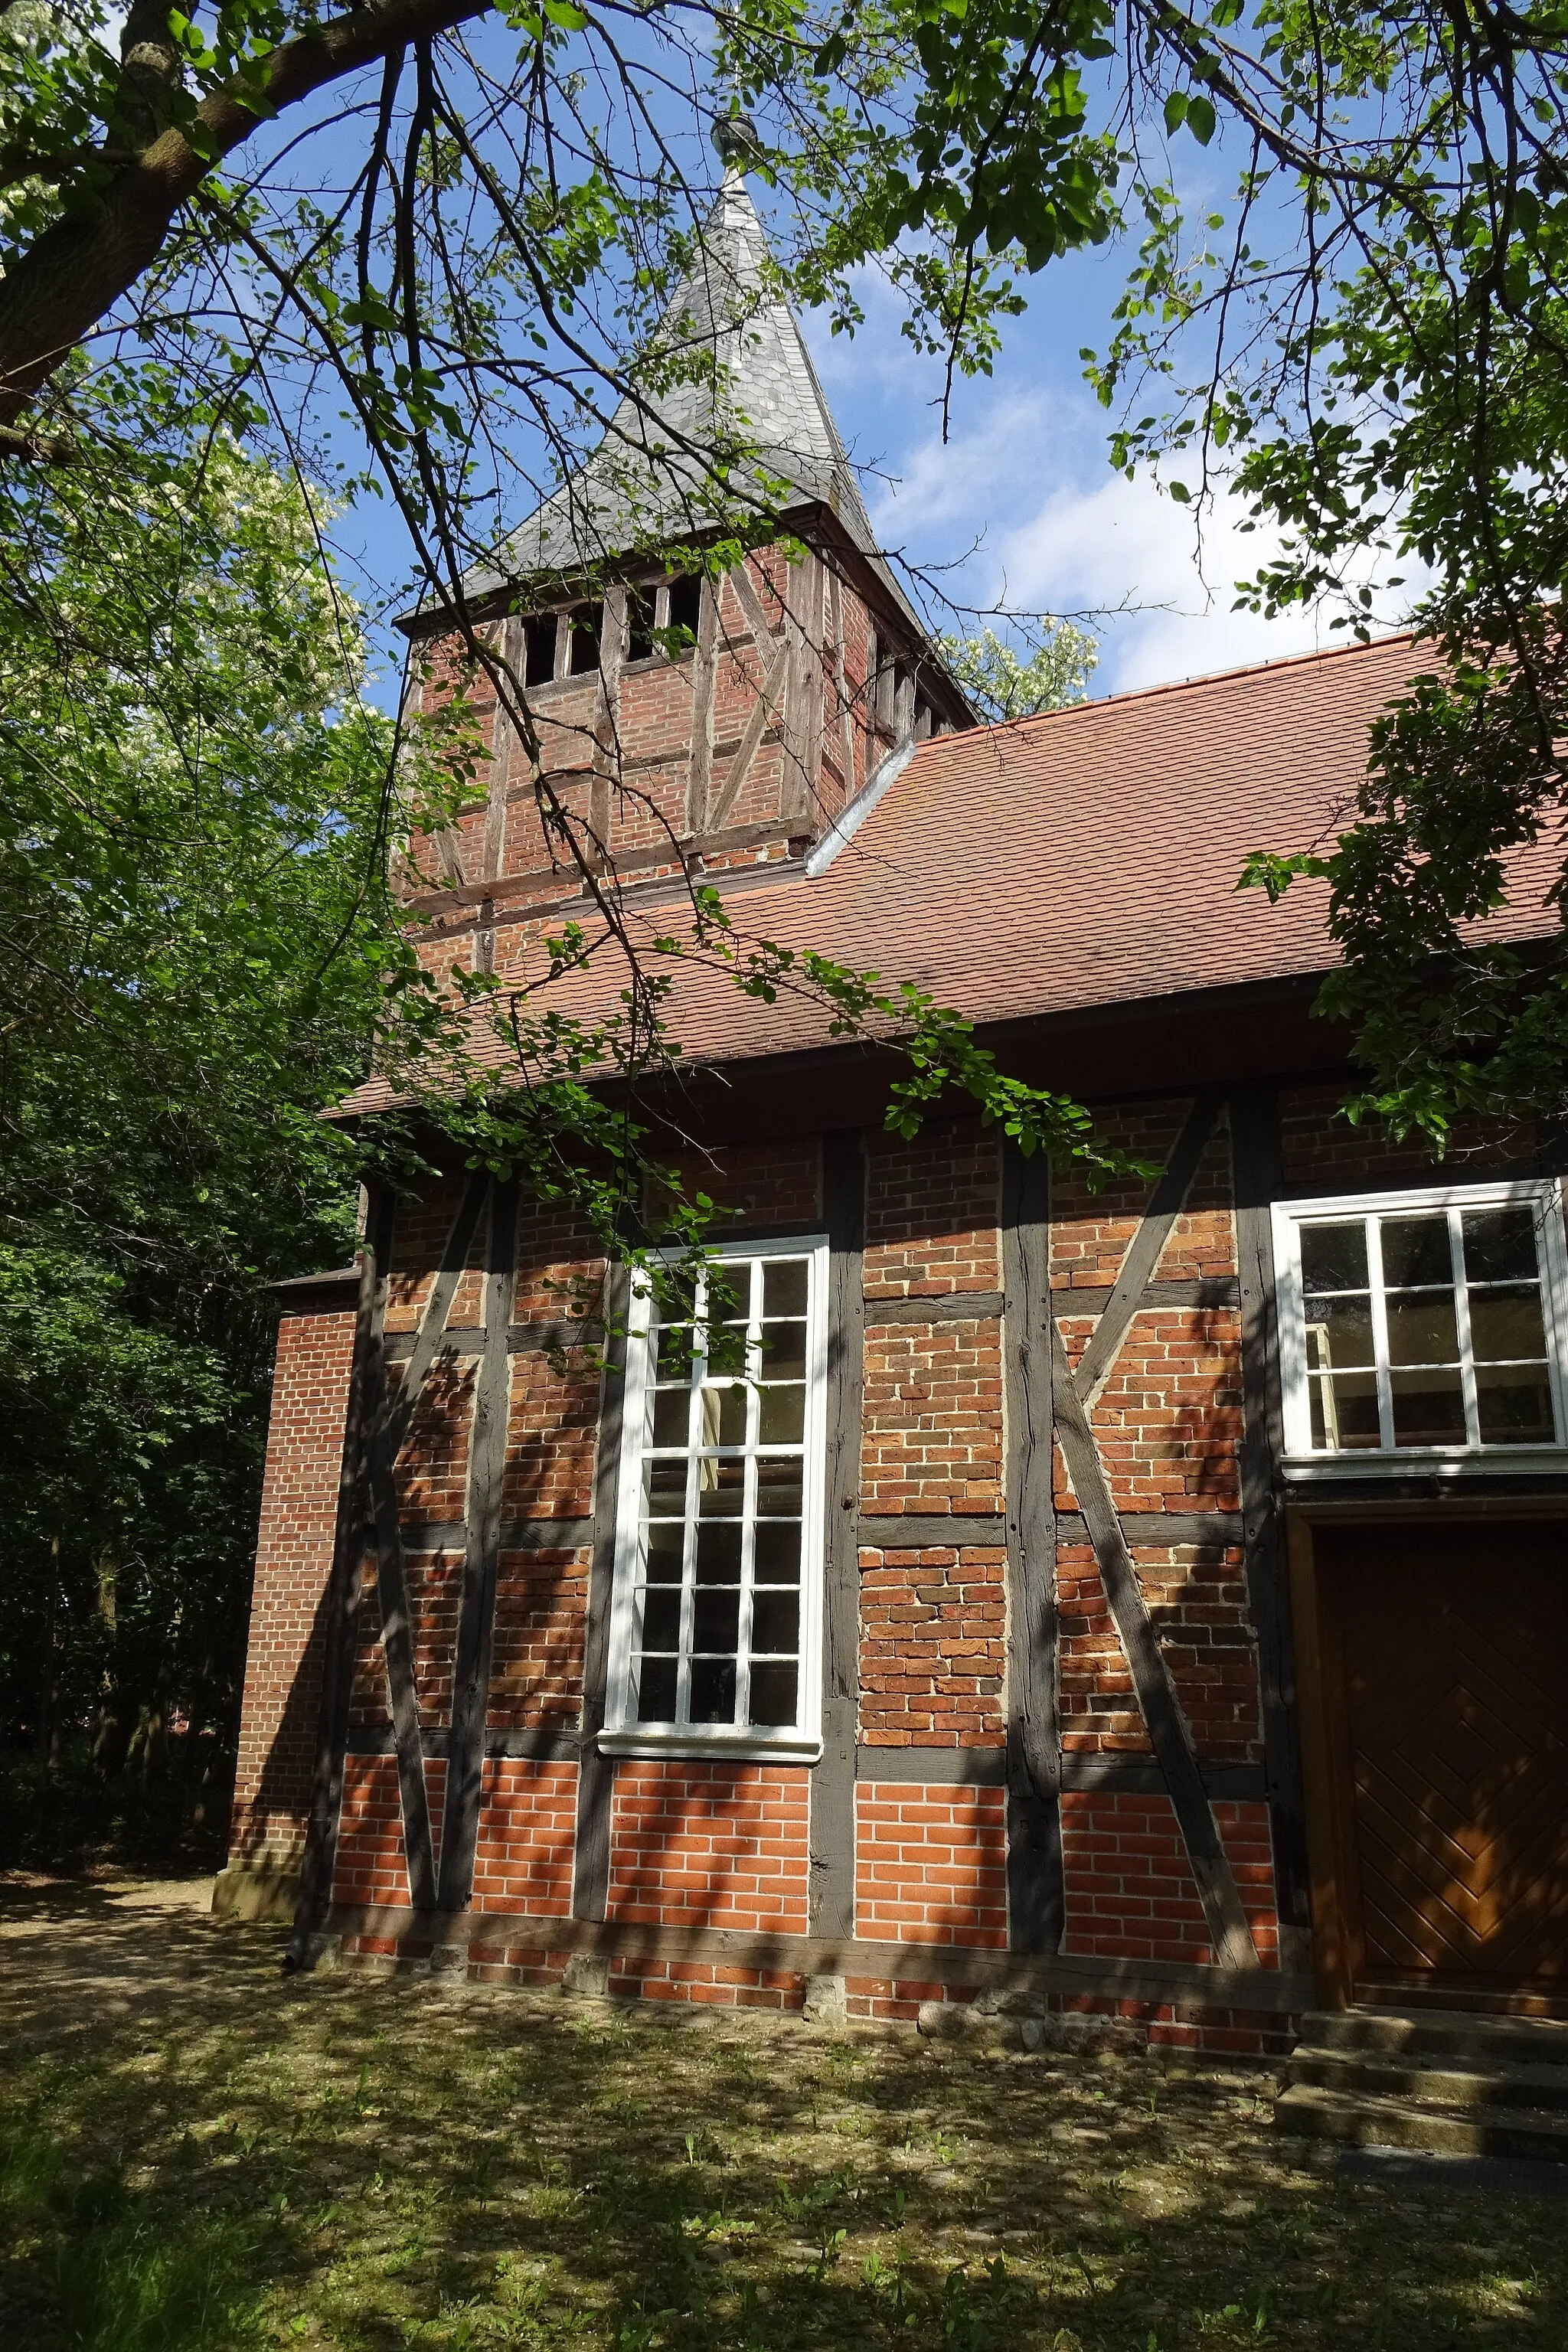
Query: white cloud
[1057,532]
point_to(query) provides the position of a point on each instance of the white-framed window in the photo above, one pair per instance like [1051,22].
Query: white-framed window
[1426,1325]
[715,1626]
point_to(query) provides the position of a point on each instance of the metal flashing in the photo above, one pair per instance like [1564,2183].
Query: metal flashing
[844,829]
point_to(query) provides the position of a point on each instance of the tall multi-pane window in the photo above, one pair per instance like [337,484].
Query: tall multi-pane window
[1424,1322]
[720,1536]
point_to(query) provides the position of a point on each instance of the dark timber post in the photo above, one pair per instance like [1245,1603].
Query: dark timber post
[832,1891]
[342,1584]
[1255,1146]
[597,1773]
[1036,1908]
[481,1564]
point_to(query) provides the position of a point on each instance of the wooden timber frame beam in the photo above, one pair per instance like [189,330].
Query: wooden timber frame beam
[1036,1896]
[481,1563]
[341,1601]
[1259,1181]
[596,1771]
[831,1892]
[388,1431]
[1170,1734]
[776,653]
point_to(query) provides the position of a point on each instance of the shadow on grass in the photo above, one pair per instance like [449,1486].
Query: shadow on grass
[196,2153]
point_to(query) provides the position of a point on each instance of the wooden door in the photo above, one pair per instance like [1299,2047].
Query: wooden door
[1446,1669]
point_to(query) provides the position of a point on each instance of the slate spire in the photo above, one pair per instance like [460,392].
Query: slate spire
[727,368]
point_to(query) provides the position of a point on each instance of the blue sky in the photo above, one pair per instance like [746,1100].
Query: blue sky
[1022,498]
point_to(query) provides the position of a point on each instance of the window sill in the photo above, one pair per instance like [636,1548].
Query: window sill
[743,1747]
[1516,1461]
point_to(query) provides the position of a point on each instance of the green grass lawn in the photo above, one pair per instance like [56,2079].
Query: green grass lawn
[197,2152]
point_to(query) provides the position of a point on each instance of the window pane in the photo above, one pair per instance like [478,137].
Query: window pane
[1333,1257]
[783,1285]
[1344,1413]
[775,1621]
[1339,1332]
[724,1416]
[583,624]
[656,1690]
[665,1548]
[661,1617]
[712,1690]
[639,624]
[671,1416]
[1515,1402]
[723,1488]
[669,1352]
[781,1420]
[783,1351]
[778,1485]
[1429,1409]
[1421,1330]
[716,1618]
[1415,1250]
[685,605]
[539,649]
[664,1486]
[719,1552]
[773,1693]
[1500,1244]
[777,1560]
[1506,1323]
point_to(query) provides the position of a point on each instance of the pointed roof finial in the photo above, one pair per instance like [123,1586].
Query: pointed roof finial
[735,137]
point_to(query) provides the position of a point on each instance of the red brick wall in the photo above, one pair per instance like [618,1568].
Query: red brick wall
[934,1633]
[1130,1894]
[536,1672]
[281,1704]
[1196,1597]
[560,1269]
[371,1868]
[1169,1417]
[432,1473]
[931,1206]
[778,1182]
[694,1843]
[932,1438]
[550,1436]
[1092,1232]
[1322,1152]
[930,1864]
[528,1819]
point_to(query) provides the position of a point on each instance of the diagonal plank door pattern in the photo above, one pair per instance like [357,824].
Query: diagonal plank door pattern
[1455,1661]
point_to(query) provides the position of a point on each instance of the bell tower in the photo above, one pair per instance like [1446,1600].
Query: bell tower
[685,722]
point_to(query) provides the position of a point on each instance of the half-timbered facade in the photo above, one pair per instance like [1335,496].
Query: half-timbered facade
[1146,1601]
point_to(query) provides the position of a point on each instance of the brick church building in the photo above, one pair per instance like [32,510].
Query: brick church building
[1147,1603]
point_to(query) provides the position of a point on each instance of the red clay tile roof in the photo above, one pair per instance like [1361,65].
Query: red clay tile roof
[1086,857]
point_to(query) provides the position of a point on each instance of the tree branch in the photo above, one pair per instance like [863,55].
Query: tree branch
[81,265]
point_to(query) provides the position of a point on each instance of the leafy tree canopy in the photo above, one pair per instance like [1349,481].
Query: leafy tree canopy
[1001,683]
[195,946]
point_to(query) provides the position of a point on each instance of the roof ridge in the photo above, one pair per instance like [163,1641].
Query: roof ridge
[1190,684]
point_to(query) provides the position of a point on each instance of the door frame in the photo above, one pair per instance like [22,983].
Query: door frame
[1333,1865]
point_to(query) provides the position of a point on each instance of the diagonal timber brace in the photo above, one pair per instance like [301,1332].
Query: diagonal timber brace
[481,1563]
[387,1436]
[1169,1732]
